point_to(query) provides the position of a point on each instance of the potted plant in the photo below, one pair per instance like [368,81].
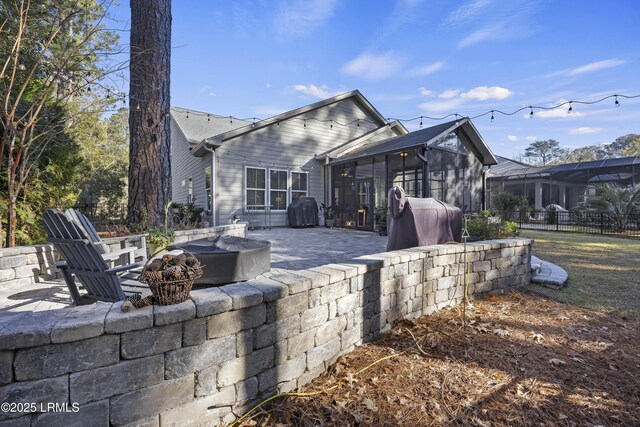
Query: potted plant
[328,214]
[161,237]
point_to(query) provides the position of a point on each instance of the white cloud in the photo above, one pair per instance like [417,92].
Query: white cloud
[301,17]
[584,131]
[483,93]
[425,70]
[374,67]
[425,92]
[490,32]
[596,66]
[512,138]
[321,92]
[268,85]
[556,113]
[466,12]
[531,138]
[439,106]
[212,94]
[449,93]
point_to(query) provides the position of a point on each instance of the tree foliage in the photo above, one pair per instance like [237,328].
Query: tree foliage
[51,52]
[544,152]
[628,145]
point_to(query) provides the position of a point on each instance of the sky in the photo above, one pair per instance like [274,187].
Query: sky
[414,58]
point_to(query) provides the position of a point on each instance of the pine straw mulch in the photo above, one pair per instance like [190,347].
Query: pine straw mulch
[522,360]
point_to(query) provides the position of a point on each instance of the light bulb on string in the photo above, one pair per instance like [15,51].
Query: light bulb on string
[278,124]
[230,119]
[491,115]
[208,117]
[187,114]
[531,113]
[358,122]
[617,104]
[331,127]
[420,122]
[304,123]
[570,107]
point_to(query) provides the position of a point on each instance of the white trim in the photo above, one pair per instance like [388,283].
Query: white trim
[285,190]
[291,190]
[246,188]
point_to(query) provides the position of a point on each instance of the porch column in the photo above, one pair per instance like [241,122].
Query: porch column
[538,195]
[562,195]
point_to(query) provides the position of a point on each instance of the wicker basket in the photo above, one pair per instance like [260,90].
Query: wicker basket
[168,292]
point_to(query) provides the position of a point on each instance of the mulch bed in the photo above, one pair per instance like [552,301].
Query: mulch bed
[521,360]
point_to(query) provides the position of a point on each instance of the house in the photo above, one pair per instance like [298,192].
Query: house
[341,151]
[564,184]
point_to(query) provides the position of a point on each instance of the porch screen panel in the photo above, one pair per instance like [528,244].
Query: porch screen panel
[256,186]
[278,189]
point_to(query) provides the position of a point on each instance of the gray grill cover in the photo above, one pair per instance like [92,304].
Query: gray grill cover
[303,211]
[228,259]
[414,221]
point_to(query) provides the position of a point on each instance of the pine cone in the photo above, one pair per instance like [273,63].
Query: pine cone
[191,260]
[170,273]
[155,265]
[180,259]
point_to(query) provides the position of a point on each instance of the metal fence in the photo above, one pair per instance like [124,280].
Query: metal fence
[579,222]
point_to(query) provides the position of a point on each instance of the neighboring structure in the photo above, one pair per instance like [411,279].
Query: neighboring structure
[341,151]
[564,184]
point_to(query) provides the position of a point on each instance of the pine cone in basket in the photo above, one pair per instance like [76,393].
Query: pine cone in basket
[180,259]
[155,265]
[191,260]
[171,273]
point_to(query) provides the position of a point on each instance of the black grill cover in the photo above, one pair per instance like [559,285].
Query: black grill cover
[228,259]
[414,221]
[303,211]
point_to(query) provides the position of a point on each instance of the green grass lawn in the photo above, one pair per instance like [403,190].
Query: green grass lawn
[604,272]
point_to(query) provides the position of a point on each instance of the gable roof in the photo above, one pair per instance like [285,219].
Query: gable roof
[468,134]
[197,126]
[355,95]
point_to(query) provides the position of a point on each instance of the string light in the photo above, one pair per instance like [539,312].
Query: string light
[491,115]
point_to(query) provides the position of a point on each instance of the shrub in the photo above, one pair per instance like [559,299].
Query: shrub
[505,203]
[187,215]
[481,229]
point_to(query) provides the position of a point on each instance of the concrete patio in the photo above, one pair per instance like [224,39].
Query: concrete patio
[291,249]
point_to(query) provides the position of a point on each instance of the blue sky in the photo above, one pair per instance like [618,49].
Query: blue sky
[413,57]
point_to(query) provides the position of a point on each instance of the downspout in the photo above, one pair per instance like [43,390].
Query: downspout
[327,170]
[214,193]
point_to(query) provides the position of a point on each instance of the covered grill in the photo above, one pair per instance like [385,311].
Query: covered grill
[414,221]
[303,211]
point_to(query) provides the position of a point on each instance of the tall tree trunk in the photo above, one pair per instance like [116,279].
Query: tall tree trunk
[149,103]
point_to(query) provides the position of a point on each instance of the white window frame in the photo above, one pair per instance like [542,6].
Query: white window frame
[285,190]
[306,191]
[247,188]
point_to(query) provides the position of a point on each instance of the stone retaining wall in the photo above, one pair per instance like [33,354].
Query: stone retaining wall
[23,265]
[201,362]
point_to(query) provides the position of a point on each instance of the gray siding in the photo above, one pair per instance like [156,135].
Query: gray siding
[184,165]
[289,146]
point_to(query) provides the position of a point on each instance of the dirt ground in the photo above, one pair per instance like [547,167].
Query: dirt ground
[521,360]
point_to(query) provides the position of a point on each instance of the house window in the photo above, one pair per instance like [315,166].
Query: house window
[207,186]
[256,186]
[278,189]
[299,184]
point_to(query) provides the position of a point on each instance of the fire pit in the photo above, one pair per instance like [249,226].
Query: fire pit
[228,259]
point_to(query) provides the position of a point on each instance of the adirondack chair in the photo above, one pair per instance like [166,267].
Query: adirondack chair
[127,254]
[84,262]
